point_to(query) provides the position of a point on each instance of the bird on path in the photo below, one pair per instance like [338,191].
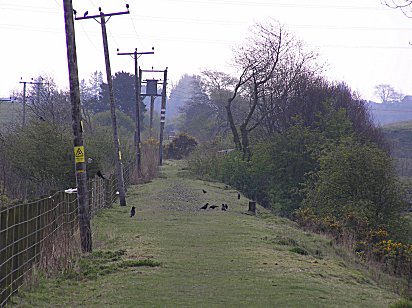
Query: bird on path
[204,191]
[133,211]
[204,207]
[224,207]
[213,207]
[100,175]
[238,195]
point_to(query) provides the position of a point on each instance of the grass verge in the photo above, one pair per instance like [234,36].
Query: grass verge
[205,258]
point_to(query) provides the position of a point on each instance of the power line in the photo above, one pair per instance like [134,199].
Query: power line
[274,4]
[134,27]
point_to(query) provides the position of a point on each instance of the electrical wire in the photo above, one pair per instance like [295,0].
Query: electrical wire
[134,27]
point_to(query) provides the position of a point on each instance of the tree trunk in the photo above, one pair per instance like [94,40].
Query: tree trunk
[245,142]
[235,133]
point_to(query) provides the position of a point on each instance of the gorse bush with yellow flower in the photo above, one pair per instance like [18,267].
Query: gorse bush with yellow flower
[355,198]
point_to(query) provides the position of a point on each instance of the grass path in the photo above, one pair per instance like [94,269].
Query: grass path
[208,258]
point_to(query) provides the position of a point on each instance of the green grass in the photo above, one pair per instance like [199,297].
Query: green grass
[212,258]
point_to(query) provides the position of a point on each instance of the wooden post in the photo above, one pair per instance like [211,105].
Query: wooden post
[137,118]
[162,117]
[152,100]
[252,207]
[80,162]
[117,156]
[118,162]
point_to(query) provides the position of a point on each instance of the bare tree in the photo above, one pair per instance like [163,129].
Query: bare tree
[219,86]
[387,93]
[271,63]
[404,5]
[47,103]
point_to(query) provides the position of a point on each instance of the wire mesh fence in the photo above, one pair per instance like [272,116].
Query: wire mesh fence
[45,232]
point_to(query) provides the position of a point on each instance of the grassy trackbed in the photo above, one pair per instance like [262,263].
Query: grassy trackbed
[207,258]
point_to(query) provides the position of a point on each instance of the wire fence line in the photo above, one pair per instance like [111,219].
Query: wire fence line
[45,232]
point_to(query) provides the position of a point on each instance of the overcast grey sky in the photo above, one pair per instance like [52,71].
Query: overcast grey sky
[363,42]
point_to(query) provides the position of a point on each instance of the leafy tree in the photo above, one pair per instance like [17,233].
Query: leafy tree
[124,121]
[99,144]
[199,115]
[217,86]
[41,154]
[90,97]
[124,94]
[357,179]
[180,94]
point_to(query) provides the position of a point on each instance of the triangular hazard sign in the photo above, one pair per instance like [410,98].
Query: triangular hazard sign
[79,152]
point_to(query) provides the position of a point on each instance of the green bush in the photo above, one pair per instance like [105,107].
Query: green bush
[180,147]
[41,154]
[356,180]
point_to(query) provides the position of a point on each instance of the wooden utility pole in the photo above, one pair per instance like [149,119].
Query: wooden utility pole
[24,96]
[152,101]
[119,167]
[137,86]
[80,162]
[24,102]
[151,90]
[162,117]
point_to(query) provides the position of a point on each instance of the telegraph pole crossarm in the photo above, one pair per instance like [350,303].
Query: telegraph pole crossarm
[98,16]
[136,55]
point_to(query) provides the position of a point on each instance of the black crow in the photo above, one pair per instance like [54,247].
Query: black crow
[238,195]
[224,207]
[86,13]
[212,207]
[100,175]
[204,191]
[132,211]
[204,207]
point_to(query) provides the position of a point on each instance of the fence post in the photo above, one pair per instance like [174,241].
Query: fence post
[252,207]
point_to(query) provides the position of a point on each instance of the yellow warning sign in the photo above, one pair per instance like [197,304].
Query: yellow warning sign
[79,154]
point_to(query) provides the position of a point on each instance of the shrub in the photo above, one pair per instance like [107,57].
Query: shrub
[180,147]
[357,185]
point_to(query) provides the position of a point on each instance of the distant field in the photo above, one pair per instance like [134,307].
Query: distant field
[9,113]
[400,137]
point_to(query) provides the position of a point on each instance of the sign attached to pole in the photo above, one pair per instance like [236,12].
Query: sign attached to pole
[79,154]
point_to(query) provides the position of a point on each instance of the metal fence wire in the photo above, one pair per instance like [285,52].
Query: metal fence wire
[45,231]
